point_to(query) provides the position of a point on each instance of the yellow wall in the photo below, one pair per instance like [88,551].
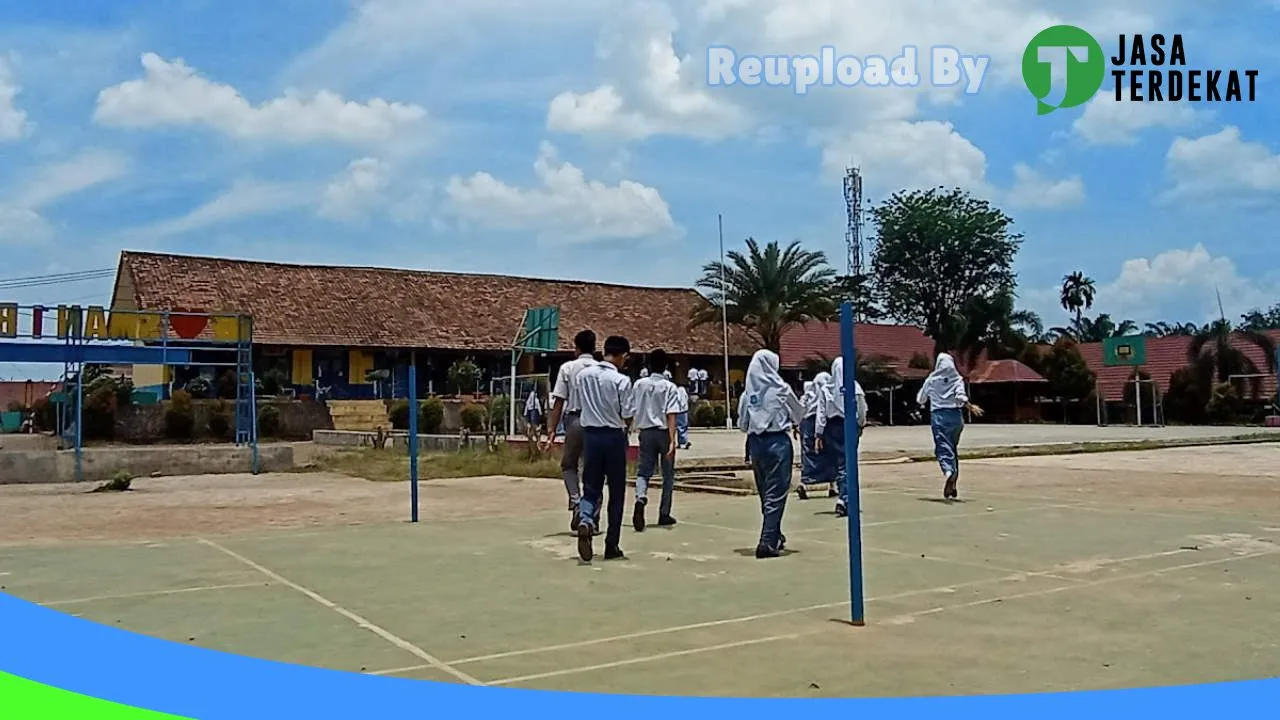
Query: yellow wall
[301,374]
[359,363]
[150,375]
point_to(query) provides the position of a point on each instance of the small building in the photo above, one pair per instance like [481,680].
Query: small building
[325,330]
[1007,390]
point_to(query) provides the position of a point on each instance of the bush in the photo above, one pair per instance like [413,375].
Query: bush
[464,377]
[1187,397]
[198,387]
[498,409]
[399,414]
[221,420]
[99,415]
[227,385]
[1224,407]
[268,421]
[430,416]
[45,415]
[473,417]
[273,381]
[718,415]
[180,418]
[704,415]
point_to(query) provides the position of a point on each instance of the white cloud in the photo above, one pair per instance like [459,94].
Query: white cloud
[1221,165]
[358,189]
[20,225]
[1033,190]
[171,93]
[906,154]
[1107,122]
[565,208]
[245,198]
[59,180]
[667,94]
[13,120]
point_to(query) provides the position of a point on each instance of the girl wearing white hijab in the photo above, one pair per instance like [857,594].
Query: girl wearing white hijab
[809,457]
[682,414]
[533,412]
[767,412]
[829,429]
[945,393]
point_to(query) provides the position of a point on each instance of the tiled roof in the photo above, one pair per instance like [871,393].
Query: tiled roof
[310,305]
[1004,371]
[1166,356]
[895,342]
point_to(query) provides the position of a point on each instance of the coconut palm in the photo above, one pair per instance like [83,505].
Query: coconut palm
[1213,347]
[768,290]
[1084,329]
[874,372]
[1077,293]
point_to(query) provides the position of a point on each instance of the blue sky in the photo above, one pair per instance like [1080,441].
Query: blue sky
[574,138]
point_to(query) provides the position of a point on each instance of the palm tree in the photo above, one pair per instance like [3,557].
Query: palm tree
[874,372]
[1078,291]
[993,325]
[1212,346]
[767,291]
[1085,330]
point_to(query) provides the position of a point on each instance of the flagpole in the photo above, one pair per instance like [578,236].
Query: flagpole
[724,319]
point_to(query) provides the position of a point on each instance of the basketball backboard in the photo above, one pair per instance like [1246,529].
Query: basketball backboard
[1127,350]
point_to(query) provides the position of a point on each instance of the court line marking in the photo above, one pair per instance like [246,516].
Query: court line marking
[154,593]
[1019,576]
[652,658]
[399,642]
[915,614]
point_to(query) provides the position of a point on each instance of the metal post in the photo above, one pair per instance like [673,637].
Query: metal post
[511,402]
[1137,392]
[724,319]
[413,440]
[80,424]
[853,500]
[253,422]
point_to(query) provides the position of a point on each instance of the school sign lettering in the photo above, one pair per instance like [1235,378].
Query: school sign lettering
[72,322]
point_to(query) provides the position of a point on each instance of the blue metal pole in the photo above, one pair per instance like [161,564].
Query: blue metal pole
[253,422]
[80,424]
[413,441]
[853,502]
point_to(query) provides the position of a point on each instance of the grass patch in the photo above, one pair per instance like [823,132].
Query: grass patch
[392,466]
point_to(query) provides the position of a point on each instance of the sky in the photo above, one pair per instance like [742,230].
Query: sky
[581,139]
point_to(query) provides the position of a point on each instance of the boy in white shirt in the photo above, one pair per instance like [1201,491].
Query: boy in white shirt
[657,404]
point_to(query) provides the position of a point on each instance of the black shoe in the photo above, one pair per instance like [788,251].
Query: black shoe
[575,520]
[666,521]
[637,517]
[782,543]
[763,552]
[841,510]
[614,554]
[831,491]
[585,537]
[802,492]
[949,490]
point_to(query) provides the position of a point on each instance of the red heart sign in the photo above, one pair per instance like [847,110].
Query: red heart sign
[188,327]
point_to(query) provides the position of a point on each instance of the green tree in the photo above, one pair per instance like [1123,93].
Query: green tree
[768,290]
[993,325]
[1213,346]
[1077,293]
[874,372]
[858,290]
[464,377]
[1258,319]
[1088,330]
[936,251]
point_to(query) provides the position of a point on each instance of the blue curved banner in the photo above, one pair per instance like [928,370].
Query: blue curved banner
[52,649]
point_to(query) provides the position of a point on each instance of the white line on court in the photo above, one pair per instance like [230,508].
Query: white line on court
[651,658]
[920,613]
[154,593]
[361,622]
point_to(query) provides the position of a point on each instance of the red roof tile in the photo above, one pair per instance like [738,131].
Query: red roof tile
[310,305]
[1004,371]
[897,343]
[1165,356]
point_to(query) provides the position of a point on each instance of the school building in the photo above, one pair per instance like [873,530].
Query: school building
[332,327]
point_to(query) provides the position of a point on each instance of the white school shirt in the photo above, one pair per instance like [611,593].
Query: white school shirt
[831,404]
[781,410]
[682,399]
[608,399]
[565,388]
[533,403]
[656,397]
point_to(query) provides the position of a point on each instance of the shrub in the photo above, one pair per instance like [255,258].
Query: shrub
[179,418]
[1188,396]
[198,387]
[473,417]
[718,415]
[220,420]
[704,415]
[45,415]
[273,381]
[268,421]
[430,416]
[99,415]
[498,409]
[399,414]
[1224,407]
[227,385]
[464,377]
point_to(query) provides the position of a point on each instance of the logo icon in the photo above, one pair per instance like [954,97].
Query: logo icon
[1063,67]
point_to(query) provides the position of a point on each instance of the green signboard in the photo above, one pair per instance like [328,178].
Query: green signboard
[1127,350]
[541,329]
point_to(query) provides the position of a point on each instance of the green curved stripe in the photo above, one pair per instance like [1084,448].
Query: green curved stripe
[22,699]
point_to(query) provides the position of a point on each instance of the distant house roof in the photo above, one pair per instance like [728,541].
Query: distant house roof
[1004,371]
[336,306]
[896,343]
[1165,356]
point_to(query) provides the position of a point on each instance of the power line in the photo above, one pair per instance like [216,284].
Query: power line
[59,279]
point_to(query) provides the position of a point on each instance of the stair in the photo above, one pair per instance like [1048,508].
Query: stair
[359,415]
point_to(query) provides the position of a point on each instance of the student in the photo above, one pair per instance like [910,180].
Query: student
[657,404]
[767,411]
[829,429]
[533,413]
[682,415]
[608,406]
[944,391]
[644,373]
[808,458]
[566,408]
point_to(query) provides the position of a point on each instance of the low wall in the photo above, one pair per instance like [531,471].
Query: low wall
[145,423]
[399,440]
[100,464]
